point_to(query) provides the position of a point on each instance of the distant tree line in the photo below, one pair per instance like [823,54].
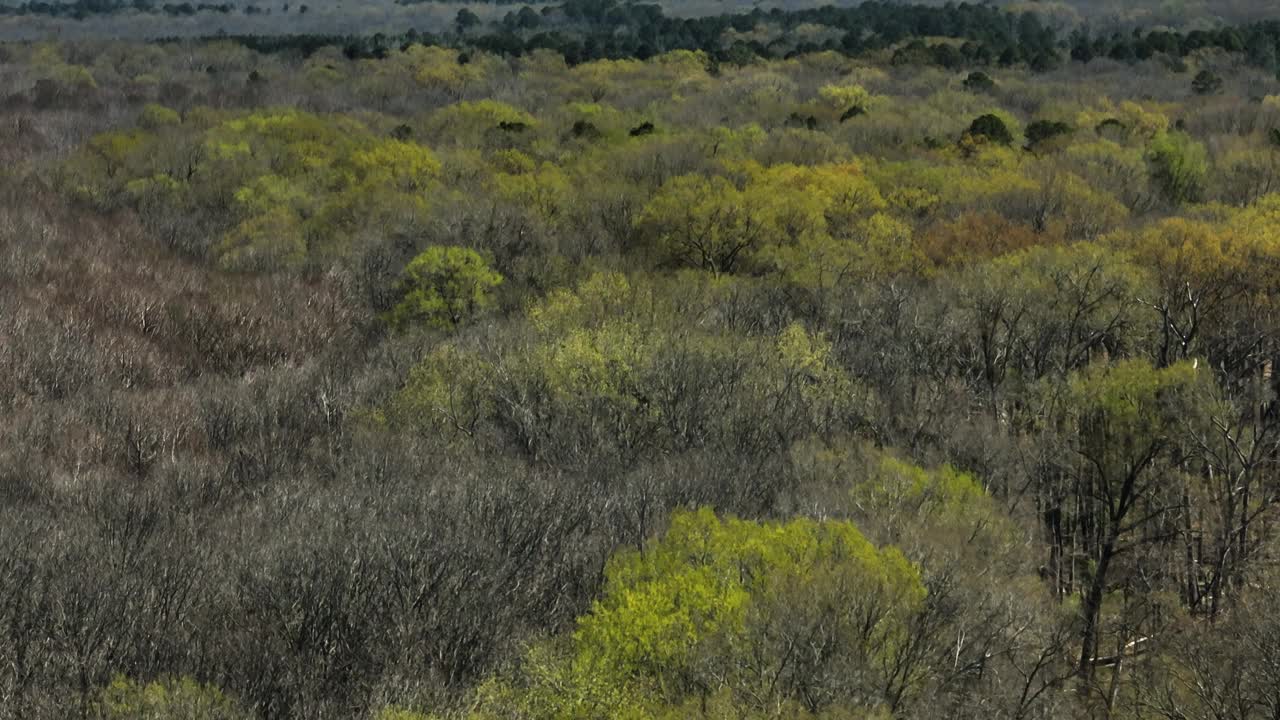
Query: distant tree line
[82,9]
[975,36]
[586,30]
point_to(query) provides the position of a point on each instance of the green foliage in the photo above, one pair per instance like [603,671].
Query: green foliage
[1044,130]
[817,225]
[707,611]
[449,392]
[992,127]
[845,97]
[1046,311]
[704,223]
[610,364]
[292,187]
[444,287]
[772,287]
[1206,82]
[544,189]
[939,517]
[395,713]
[61,78]
[168,699]
[1179,166]
[157,116]
[978,81]
[1128,410]
[471,122]
[274,238]
[898,485]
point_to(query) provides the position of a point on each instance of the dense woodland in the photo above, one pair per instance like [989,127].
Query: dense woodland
[420,381]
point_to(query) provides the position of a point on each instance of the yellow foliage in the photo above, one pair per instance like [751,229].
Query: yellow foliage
[435,66]
[544,189]
[711,593]
[1140,120]
[395,713]
[1241,251]
[404,166]
[165,699]
[158,116]
[599,298]
[844,97]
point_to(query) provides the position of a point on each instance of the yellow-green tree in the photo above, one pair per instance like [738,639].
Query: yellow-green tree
[987,613]
[449,393]
[1127,418]
[444,287]
[725,613]
[166,699]
[1047,311]
[1179,166]
[276,188]
[1209,274]
[705,223]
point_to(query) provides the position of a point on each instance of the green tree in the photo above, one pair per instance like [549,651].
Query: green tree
[725,602]
[978,81]
[1042,131]
[448,393]
[444,287]
[727,608]
[156,116]
[465,20]
[991,127]
[1126,418]
[988,628]
[705,223]
[1047,312]
[1206,82]
[1178,166]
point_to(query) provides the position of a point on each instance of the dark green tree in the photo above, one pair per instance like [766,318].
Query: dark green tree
[992,128]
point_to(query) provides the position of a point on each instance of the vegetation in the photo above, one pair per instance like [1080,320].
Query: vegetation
[601,364]
[445,286]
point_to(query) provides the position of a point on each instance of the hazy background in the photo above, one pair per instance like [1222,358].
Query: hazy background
[275,17]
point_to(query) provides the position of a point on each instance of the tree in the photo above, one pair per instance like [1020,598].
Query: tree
[449,392]
[991,127]
[673,613]
[1200,269]
[444,287]
[1206,82]
[704,223]
[988,632]
[465,20]
[979,82]
[847,99]
[1127,418]
[154,117]
[974,237]
[718,609]
[1046,312]
[1044,130]
[1224,669]
[1178,165]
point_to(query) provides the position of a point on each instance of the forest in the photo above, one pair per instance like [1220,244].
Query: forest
[835,364]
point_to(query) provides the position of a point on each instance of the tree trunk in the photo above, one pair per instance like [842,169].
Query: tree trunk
[1091,608]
